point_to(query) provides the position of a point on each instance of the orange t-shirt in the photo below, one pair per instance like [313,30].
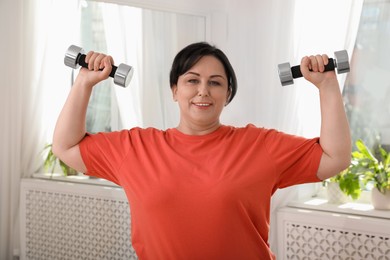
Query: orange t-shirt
[201,197]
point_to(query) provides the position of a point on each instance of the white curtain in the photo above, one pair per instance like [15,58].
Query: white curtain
[123,30]
[27,28]
[160,37]
[51,22]
[332,29]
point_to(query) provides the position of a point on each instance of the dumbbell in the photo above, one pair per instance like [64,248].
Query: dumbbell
[75,57]
[287,74]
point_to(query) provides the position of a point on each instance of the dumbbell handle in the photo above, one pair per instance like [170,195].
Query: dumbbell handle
[82,63]
[296,70]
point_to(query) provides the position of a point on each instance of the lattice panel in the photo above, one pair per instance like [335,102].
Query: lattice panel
[308,242]
[69,226]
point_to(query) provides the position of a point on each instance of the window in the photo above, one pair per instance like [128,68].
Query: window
[367,88]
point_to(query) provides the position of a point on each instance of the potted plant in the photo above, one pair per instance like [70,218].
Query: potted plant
[343,185]
[51,163]
[375,168]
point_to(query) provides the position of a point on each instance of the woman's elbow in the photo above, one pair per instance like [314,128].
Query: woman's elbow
[330,167]
[55,148]
[345,163]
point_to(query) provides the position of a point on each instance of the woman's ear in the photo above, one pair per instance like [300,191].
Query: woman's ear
[174,92]
[229,92]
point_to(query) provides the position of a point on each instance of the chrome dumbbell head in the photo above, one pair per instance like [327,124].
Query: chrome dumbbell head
[285,74]
[342,61]
[71,56]
[123,75]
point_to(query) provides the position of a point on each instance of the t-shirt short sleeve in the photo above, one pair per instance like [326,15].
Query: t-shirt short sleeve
[296,158]
[103,154]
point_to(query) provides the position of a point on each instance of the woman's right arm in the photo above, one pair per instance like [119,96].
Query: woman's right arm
[70,128]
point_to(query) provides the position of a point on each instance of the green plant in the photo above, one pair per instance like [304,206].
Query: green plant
[375,170]
[349,182]
[51,161]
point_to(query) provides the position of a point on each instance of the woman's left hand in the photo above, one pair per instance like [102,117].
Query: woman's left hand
[312,68]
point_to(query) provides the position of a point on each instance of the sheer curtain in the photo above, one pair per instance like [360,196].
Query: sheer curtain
[52,22]
[23,80]
[317,27]
[335,28]
[124,42]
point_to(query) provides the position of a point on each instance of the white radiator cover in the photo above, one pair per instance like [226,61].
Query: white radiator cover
[315,234]
[61,220]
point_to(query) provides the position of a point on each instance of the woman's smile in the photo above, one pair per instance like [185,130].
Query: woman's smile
[202,105]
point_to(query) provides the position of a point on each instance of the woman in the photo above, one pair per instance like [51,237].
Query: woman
[202,190]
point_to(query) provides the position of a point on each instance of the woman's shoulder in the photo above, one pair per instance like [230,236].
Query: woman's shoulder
[146,132]
[128,133]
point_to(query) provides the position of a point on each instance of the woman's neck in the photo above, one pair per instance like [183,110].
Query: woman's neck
[192,129]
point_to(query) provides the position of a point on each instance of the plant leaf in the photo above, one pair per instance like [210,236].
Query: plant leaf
[364,150]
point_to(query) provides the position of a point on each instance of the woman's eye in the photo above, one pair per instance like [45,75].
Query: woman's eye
[193,81]
[214,83]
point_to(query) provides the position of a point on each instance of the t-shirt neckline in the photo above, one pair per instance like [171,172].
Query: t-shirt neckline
[219,131]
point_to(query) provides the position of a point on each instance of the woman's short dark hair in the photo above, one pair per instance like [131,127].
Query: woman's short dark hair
[191,54]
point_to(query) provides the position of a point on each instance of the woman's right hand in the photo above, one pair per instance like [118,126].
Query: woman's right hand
[99,68]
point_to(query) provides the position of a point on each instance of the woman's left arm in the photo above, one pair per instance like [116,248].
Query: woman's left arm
[335,138]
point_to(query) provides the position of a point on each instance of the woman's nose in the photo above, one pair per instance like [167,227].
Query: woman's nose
[203,89]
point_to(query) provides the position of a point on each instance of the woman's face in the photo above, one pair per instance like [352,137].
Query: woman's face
[201,93]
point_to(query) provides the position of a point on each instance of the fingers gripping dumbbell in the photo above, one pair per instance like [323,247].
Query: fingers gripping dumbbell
[75,57]
[287,73]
